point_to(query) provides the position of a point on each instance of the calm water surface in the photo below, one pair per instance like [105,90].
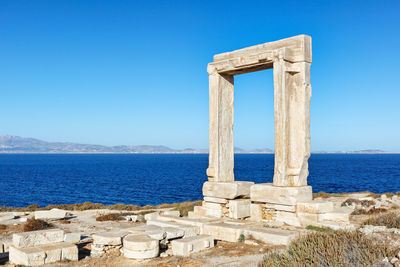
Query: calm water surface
[160,178]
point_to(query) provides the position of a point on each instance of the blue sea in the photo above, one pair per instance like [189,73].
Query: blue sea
[142,179]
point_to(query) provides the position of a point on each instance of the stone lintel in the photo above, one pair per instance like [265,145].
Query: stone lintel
[300,47]
[227,190]
[282,195]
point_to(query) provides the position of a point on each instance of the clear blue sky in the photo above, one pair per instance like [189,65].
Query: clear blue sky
[134,72]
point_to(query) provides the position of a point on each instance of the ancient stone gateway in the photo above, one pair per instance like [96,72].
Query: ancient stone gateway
[290,59]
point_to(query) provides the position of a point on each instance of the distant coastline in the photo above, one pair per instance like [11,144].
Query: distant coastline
[19,145]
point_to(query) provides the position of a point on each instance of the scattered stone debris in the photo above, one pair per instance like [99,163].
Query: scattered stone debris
[40,247]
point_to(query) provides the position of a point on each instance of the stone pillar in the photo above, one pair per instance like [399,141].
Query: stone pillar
[292,94]
[221,154]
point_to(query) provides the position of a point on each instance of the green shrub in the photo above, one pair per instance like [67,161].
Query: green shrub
[319,229]
[242,238]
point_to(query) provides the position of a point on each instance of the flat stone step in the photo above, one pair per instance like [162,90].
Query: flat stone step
[188,221]
[152,231]
[32,256]
[188,230]
[111,238]
[225,232]
[189,245]
[233,232]
[271,236]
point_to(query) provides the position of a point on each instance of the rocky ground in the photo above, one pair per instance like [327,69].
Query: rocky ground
[246,253]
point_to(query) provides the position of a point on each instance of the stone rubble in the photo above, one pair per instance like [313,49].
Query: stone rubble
[40,247]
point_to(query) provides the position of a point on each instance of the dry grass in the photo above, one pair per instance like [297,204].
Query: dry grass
[33,224]
[337,248]
[389,195]
[369,212]
[183,207]
[319,229]
[323,194]
[110,217]
[390,220]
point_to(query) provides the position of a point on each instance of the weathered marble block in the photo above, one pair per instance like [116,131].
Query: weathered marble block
[282,195]
[227,190]
[72,237]
[37,238]
[32,256]
[224,232]
[216,200]
[314,207]
[188,245]
[54,214]
[239,208]
[140,247]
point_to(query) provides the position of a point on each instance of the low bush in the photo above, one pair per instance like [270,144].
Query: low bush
[323,194]
[390,220]
[33,224]
[363,203]
[110,217]
[368,212]
[337,248]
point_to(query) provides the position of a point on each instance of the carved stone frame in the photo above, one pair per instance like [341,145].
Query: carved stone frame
[290,59]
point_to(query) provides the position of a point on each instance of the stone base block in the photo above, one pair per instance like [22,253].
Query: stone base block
[271,236]
[54,214]
[289,218]
[198,222]
[188,245]
[224,232]
[152,231]
[72,237]
[140,254]
[307,218]
[173,232]
[256,212]
[39,255]
[269,193]
[314,207]
[227,190]
[201,211]
[140,242]
[239,209]
[109,238]
[37,238]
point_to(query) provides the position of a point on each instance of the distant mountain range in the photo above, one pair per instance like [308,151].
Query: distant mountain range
[16,144]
